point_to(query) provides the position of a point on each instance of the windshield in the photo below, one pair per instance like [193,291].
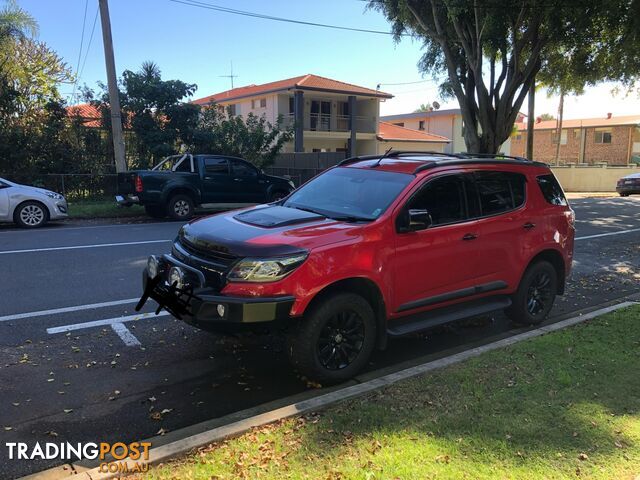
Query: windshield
[350,193]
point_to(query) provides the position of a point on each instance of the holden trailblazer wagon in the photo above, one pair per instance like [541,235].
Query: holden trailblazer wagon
[375,247]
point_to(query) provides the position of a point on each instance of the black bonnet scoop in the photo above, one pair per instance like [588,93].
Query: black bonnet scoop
[276,216]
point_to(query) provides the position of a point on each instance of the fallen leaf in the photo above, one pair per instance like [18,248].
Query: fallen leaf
[8,428]
[166,410]
[162,431]
[68,410]
[583,456]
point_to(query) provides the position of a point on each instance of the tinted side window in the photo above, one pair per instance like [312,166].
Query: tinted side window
[551,190]
[443,198]
[499,192]
[243,170]
[218,166]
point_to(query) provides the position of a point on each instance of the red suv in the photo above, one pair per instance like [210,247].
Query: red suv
[376,247]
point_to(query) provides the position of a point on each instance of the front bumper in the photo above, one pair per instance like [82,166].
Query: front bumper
[59,211]
[127,200]
[207,308]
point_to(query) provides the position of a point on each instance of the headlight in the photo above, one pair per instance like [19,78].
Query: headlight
[265,270]
[152,267]
[176,277]
[54,195]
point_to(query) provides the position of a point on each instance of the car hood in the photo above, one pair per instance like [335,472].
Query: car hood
[29,190]
[265,231]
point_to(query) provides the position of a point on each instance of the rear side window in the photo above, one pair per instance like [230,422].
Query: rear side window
[218,166]
[551,190]
[243,170]
[499,192]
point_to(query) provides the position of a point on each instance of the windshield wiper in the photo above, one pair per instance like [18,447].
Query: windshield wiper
[349,218]
[306,209]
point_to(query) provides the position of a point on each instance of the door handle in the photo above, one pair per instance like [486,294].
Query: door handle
[470,236]
[528,226]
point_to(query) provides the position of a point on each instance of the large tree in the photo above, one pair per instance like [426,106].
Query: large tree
[492,50]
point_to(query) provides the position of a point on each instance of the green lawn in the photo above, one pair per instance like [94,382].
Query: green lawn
[562,406]
[103,209]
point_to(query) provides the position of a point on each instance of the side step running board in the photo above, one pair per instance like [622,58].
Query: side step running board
[433,318]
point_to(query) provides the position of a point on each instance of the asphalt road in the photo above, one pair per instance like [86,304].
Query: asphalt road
[97,372]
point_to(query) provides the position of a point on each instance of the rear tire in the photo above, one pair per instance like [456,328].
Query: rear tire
[335,339]
[31,214]
[624,194]
[535,296]
[155,211]
[180,207]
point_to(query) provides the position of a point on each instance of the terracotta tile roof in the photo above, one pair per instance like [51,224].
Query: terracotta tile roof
[585,122]
[303,82]
[88,113]
[390,132]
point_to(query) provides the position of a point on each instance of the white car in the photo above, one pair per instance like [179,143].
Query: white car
[29,207]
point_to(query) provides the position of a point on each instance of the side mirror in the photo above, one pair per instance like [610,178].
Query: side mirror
[413,220]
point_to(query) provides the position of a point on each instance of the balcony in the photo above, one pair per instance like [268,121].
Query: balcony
[320,122]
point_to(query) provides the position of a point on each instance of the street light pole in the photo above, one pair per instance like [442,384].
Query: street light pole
[114,99]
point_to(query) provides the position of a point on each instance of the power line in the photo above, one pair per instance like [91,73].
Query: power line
[93,29]
[84,22]
[218,8]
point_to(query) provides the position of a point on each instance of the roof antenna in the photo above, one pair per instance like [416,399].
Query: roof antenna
[385,155]
[231,76]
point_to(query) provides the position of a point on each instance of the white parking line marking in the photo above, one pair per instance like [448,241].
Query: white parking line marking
[77,247]
[100,323]
[608,234]
[75,308]
[125,335]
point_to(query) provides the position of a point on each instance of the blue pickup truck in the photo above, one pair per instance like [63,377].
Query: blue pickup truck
[181,183]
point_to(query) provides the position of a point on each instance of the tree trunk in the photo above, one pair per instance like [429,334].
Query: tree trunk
[559,126]
[531,113]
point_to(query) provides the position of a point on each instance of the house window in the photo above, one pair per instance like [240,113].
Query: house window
[603,135]
[577,134]
[292,107]
[563,137]
[517,135]
[258,103]
[232,109]
[421,125]
[399,124]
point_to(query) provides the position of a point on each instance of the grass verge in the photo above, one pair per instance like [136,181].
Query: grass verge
[562,406]
[103,209]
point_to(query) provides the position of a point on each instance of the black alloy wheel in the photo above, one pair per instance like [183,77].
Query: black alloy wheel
[341,340]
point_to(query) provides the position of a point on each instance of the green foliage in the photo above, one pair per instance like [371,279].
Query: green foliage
[547,116]
[424,107]
[16,23]
[253,139]
[493,51]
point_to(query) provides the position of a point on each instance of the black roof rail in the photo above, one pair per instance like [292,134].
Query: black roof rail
[495,155]
[398,154]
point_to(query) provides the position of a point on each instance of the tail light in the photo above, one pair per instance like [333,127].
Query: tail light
[138,184]
[571,217]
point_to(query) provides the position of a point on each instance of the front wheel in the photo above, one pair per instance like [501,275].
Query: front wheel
[335,339]
[31,215]
[535,296]
[180,207]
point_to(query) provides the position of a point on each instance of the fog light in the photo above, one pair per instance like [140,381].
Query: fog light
[152,267]
[221,310]
[176,277]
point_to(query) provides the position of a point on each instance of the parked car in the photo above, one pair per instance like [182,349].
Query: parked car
[180,183]
[377,247]
[629,185]
[29,207]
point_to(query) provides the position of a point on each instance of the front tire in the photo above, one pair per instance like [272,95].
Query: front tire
[335,339]
[180,207]
[535,296]
[31,215]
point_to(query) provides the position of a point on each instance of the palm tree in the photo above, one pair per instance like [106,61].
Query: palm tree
[16,23]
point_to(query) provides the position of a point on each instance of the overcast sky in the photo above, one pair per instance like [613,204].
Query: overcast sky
[197,46]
